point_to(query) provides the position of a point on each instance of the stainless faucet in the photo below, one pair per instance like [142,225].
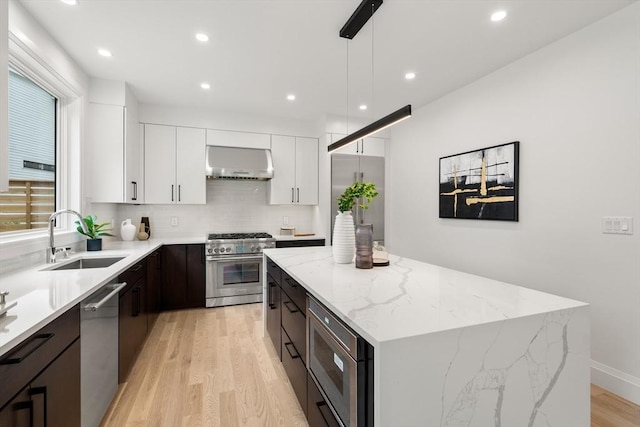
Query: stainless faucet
[51,250]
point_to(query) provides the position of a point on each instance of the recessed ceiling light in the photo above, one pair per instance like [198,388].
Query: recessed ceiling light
[291,97]
[104,52]
[498,16]
[70,2]
[205,85]
[202,37]
[363,107]
[410,76]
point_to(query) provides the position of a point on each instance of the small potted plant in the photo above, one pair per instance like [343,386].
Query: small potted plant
[94,232]
[344,236]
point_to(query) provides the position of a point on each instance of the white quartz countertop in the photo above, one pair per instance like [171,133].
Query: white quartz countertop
[43,295]
[409,298]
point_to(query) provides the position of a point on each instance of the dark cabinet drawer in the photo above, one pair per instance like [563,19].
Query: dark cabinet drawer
[20,365]
[274,270]
[318,412]
[295,369]
[294,290]
[133,274]
[299,243]
[295,324]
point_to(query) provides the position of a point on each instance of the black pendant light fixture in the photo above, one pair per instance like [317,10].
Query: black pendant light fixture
[362,14]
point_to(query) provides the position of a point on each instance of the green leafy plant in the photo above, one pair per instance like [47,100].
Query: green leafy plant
[355,192]
[95,230]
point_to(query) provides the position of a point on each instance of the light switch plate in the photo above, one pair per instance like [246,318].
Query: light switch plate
[617,225]
[174,221]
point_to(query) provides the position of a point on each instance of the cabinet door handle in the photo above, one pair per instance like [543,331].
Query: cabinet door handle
[291,282]
[30,348]
[179,193]
[296,356]
[362,147]
[137,268]
[135,309]
[292,195]
[37,415]
[21,406]
[270,301]
[298,194]
[295,309]
[326,414]
[172,192]
[135,190]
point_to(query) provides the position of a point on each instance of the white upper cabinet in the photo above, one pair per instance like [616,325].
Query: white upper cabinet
[295,171]
[159,163]
[190,166]
[113,143]
[365,147]
[224,138]
[174,165]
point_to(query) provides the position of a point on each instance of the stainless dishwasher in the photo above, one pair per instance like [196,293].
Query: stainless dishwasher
[99,352]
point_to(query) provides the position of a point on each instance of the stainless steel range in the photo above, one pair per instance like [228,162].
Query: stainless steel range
[234,267]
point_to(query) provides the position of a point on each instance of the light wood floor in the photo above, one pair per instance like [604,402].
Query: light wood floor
[212,367]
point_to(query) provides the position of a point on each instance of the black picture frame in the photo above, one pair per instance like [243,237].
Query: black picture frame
[480,184]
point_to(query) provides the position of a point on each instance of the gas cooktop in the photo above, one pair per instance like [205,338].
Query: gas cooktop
[238,236]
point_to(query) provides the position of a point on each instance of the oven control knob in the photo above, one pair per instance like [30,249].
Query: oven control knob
[210,250]
[253,248]
[228,249]
[214,250]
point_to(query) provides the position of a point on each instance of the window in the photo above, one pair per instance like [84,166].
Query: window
[32,156]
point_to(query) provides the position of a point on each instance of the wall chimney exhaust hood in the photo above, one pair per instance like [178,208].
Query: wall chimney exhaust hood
[239,163]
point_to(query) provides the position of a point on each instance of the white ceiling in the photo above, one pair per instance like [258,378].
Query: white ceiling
[261,50]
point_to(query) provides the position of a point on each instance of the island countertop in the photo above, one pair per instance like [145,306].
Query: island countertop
[408,297]
[454,349]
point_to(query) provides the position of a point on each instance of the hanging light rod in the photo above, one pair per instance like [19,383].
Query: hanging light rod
[360,17]
[377,126]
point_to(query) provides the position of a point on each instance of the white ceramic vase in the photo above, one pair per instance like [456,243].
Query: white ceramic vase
[344,238]
[127,230]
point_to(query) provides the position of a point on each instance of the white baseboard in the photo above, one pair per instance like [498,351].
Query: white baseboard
[617,382]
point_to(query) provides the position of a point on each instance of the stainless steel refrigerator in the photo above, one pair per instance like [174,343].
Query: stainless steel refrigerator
[347,169]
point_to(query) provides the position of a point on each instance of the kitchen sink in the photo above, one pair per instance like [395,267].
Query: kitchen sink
[83,263]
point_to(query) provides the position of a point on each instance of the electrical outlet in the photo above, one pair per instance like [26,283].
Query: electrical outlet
[174,221]
[285,220]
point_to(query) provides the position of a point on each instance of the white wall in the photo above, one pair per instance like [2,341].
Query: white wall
[575,107]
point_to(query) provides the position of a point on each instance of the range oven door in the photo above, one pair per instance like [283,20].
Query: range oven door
[234,276]
[335,371]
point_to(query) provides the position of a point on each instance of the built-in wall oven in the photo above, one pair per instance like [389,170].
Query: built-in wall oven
[234,267]
[340,362]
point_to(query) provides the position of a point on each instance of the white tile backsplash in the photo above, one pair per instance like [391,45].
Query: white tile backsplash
[232,206]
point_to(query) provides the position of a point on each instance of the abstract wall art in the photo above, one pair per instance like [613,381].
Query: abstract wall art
[480,184]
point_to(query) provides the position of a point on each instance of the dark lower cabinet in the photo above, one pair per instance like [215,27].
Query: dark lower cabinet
[40,378]
[53,397]
[299,243]
[273,313]
[183,284]
[132,318]
[294,322]
[318,412]
[296,370]
[56,391]
[154,277]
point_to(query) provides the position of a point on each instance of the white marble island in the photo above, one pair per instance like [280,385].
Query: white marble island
[454,349]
